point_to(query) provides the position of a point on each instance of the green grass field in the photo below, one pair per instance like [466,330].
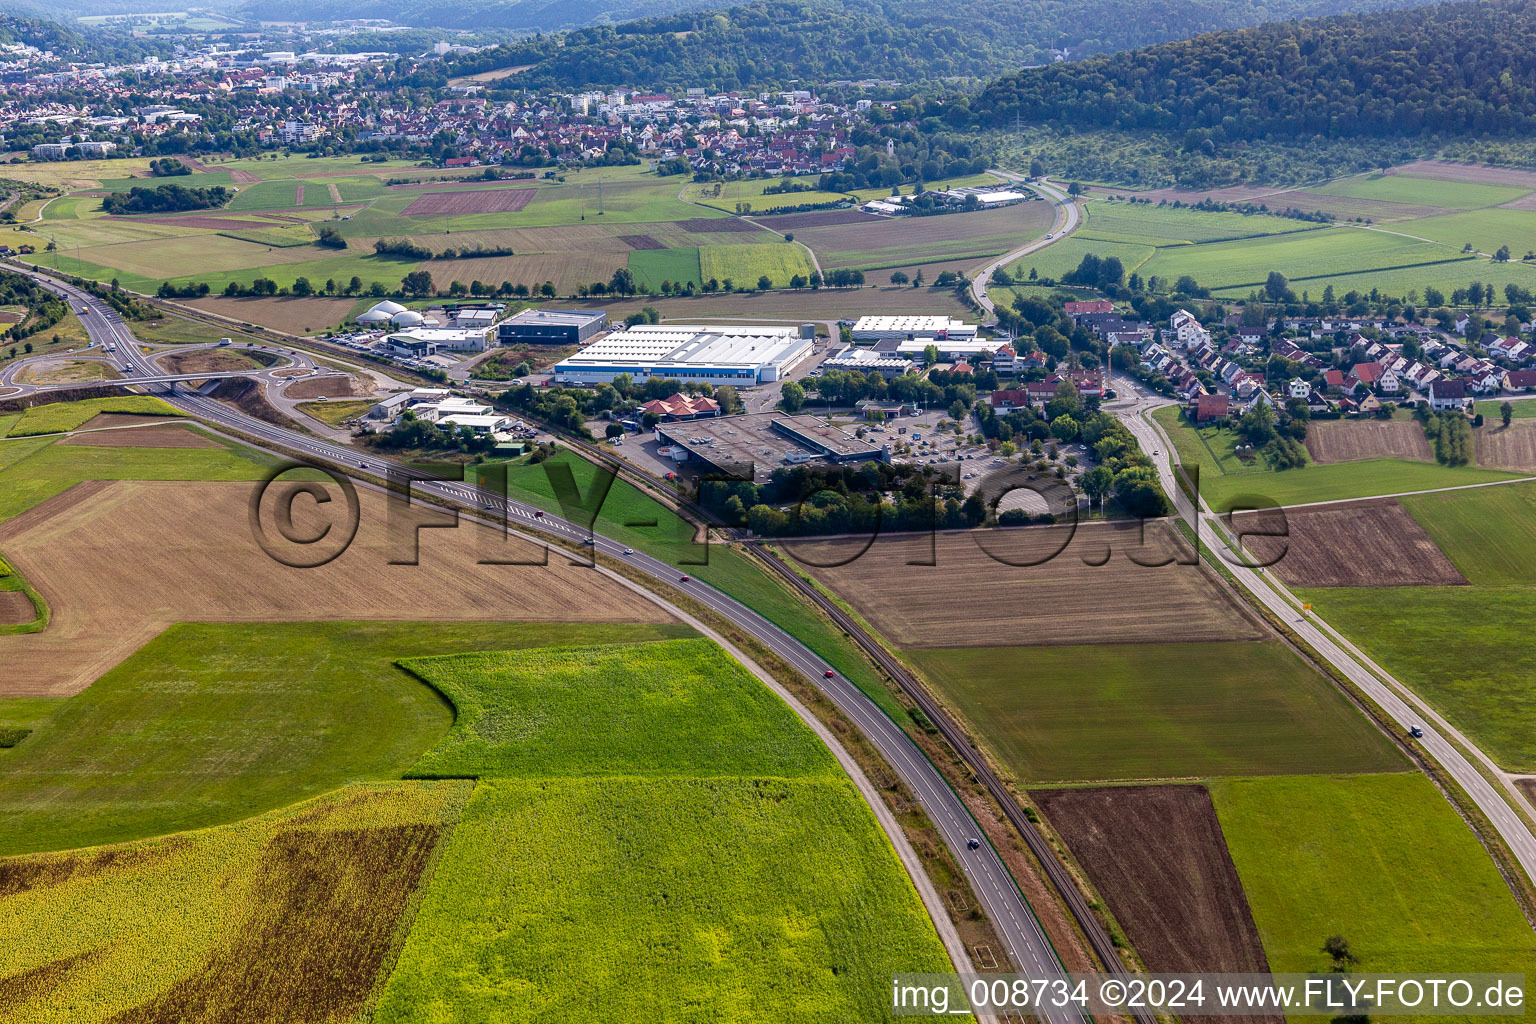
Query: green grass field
[744,264]
[1383,861]
[680,707]
[209,723]
[1300,256]
[1486,230]
[1399,188]
[653,266]
[718,565]
[336,413]
[1224,478]
[58,417]
[1490,532]
[1519,409]
[1113,711]
[50,469]
[612,900]
[1164,225]
[1465,650]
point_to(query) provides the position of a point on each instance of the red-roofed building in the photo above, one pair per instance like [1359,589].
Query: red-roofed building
[1007,399]
[682,407]
[1206,408]
[1095,306]
[1520,380]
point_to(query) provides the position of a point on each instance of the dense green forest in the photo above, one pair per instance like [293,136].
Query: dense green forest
[1454,69]
[166,199]
[775,42]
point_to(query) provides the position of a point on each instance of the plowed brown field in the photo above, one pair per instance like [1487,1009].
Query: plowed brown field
[501,200]
[1158,857]
[1511,447]
[1358,544]
[118,562]
[971,598]
[1349,440]
[169,435]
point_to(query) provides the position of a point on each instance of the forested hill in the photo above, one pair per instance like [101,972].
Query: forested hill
[1449,70]
[775,42]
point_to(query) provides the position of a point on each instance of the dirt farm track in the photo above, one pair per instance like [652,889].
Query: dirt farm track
[975,598]
[120,561]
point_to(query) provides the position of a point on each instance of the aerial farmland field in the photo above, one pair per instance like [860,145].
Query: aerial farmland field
[1224,477]
[608,841]
[1155,710]
[1381,860]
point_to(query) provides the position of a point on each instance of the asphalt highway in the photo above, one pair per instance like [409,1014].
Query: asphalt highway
[1065,224]
[1399,703]
[1026,944]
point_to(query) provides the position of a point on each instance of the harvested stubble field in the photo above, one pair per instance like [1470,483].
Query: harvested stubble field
[566,269]
[1157,856]
[1446,170]
[288,916]
[1352,440]
[880,241]
[119,562]
[331,385]
[642,241]
[1511,447]
[501,200]
[214,360]
[64,370]
[168,435]
[292,315]
[1050,603]
[1357,544]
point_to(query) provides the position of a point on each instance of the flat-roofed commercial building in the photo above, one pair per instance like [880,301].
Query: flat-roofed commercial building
[741,355]
[551,327]
[903,328]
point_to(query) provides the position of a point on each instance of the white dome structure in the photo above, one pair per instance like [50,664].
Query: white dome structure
[388,306]
[373,316]
[406,318]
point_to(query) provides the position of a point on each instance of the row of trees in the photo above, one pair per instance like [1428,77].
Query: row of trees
[166,199]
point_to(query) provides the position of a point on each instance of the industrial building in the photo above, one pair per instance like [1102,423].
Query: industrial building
[740,355]
[552,327]
[440,339]
[865,360]
[950,348]
[750,446]
[907,328]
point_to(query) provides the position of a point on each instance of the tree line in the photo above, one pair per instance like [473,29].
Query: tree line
[1453,69]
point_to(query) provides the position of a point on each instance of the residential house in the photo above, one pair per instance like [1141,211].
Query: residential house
[1205,408]
[1298,388]
[1446,395]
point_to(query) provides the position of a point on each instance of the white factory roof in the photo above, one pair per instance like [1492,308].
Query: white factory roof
[953,346]
[690,345]
[442,335]
[854,357]
[914,324]
[990,198]
[464,419]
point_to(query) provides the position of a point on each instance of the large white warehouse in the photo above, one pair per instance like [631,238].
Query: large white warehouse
[741,355]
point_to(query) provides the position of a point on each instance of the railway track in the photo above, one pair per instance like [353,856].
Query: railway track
[1098,936]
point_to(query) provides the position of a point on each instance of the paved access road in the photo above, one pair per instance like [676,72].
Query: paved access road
[1025,941]
[1394,698]
[1067,221]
